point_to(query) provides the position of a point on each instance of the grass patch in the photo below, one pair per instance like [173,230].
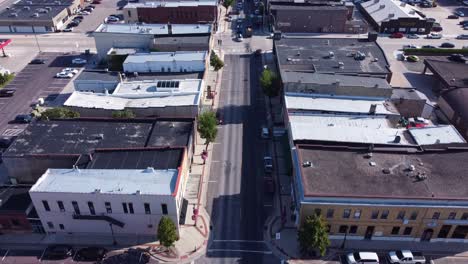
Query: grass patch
[6,78]
[434,52]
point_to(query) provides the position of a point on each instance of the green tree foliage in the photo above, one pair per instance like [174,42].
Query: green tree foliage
[228,3]
[167,232]
[124,114]
[59,113]
[5,78]
[207,127]
[270,83]
[216,62]
[313,235]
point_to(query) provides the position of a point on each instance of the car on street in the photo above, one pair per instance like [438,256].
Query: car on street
[79,61]
[24,119]
[265,132]
[58,252]
[405,257]
[412,36]
[410,46]
[459,13]
[429,47]
[462,36]
[458,58]
[447,45]
[362,257]
[268,164]
[90,254]
[396,35]
[37,61]
[7,92]
[434,36]
[412,58]
[465,27]
[65,75]
[453,17]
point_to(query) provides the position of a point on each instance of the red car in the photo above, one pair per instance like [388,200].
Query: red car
[397,35]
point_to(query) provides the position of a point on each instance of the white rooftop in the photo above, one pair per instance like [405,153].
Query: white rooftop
[147,182]
[436,135]
[385,10]
[153,29]
[336,104]
[154,4]
[166,56]
[345,128]
[141,94]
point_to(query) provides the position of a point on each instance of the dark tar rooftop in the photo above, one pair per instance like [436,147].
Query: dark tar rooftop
[82,136]
[14,198]
[331,55]
[350,172]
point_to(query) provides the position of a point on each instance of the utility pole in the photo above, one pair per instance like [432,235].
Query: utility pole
[37,41]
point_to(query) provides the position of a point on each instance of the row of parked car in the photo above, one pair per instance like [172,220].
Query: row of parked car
[394,257]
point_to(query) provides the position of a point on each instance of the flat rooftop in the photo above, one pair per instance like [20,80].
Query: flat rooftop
[158,76]
[105,76]
[346,128]
[313,55]
[335,6]
[141,94]
[338,105]
[452,74]
[431,135]
[122,181]
[154,29]
[166,56]
[14,198]
[160,4]
[82,136]
[346,172]
[336,79]
[31,12]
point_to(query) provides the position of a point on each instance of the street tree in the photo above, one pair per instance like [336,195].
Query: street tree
[228,3]
[270,83]
[313,235]
[216,62]
[207,127]
[167,232]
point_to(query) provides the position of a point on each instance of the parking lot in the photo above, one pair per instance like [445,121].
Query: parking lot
[33,82]
[442,11]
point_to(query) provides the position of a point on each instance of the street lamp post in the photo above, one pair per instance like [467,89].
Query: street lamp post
[113,237]
[344,240]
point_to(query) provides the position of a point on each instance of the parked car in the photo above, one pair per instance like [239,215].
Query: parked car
[268,164]
[64,75]
[362,257]
[70,70]
[412,58]
[434,36]
[453,17]
[58,252]
[447,45]
[459,13]
[7,92]
[79,61]
[462,36]
[265,132]
[5,142]
[458,58]
[463,22]
[417,122]
[412,36]
[79,17]
[406,257]
[429,47]
[96,2]
[239,37]
[112,19]
[396,35]
[90,254]
[437,28]
[269,185]
[24,119]
[37,61]
[68,29]
[410,46]
[83,13]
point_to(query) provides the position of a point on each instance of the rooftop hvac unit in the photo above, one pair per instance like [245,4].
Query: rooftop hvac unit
[13,15]
[29,2]
[26,8]
[48,8]
[35,15]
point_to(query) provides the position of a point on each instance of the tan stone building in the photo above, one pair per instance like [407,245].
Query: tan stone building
[383,192]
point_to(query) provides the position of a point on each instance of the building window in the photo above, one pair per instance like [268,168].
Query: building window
[452,215]
[395,230]
[346,213]
[46,205]
[108,207]
[76,208]
[15,222]
[444,231]
[60,205]
[318,211]
[129,13]
[330,213]
[407,231]
[130,208]
[414,215]
[147,208]
[436,215]
[125,209]
[401,215]
[375,214]
[384,214]
[328,228]
[50,225]
[343,229]
[353,229]
[464,216]
[164,209]
[61,226]
[91,208]
[357,214]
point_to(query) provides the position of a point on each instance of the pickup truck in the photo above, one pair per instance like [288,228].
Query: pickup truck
[406,257]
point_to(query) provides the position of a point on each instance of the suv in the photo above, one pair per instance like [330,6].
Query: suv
[462,36]
[24,119]
[362,257]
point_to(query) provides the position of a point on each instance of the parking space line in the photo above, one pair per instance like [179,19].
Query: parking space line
[8,250]
[42,255]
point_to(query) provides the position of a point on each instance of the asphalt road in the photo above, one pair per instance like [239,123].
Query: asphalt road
[235,194]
